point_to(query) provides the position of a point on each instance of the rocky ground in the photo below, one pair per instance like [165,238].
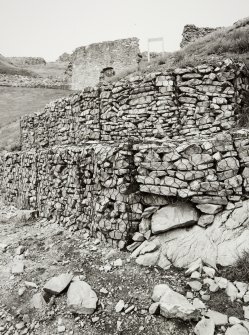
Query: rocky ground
[34,251]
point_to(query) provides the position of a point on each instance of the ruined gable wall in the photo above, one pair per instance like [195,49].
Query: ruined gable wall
[191,33]
[89,61]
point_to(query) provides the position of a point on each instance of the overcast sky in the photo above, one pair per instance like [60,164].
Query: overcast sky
[47,28]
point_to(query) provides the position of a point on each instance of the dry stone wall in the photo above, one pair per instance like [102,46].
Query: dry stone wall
[103,157]
[108,187]
[188,102]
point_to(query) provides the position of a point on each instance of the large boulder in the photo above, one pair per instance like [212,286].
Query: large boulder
[221,243]
[81,299]
[173,216]
[173,304]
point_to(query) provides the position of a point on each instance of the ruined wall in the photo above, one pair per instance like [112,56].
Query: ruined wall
[191,33]
[89,61]
[26,61]
[100,158]
[34,82]
[187,102]
[106,187]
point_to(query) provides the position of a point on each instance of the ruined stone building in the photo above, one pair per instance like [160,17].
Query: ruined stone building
[92,62]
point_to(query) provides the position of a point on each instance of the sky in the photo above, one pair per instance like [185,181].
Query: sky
[48,28]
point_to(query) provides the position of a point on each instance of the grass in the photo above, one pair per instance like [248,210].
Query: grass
[8,68]
[231,42]
[51,69]
[240,270]
[17,101]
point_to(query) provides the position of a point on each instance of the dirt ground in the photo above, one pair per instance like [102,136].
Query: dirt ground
[50,251]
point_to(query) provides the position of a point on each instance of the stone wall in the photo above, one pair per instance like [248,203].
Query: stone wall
[88,186]
[34,82]
[191,33]
[26,61]
[187,102]
[89,61]
[102,157]
[108,187]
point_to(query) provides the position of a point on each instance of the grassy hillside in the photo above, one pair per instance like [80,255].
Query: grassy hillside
[17,101]
[232,42]
[8,68]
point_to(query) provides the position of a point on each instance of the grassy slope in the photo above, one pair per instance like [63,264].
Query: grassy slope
[232,42]
[51,69]
[8,68]
[17,101]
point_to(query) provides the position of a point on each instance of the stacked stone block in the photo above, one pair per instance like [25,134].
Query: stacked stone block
[186,102]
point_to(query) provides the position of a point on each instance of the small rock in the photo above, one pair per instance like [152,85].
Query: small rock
[95,319]
[194,266]
[242,287]
[210,272]
[205,327]
[159,291]
[61,329]
[246,312]
[18,267]
[120,306]
[231,291]
[118,262]
[103,290]
[38,301]
[221,282]
[20,250]
[246,297]
[195,285]
[205,297]
[21,291]
[20,325]
[30,284]
[189,295]
[129,309]
[154,308]
[198,304]
[195,275]
[236,330]
[218,318]
[233,320]
[138,237]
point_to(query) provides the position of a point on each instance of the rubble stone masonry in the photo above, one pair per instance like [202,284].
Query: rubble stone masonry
[99,158]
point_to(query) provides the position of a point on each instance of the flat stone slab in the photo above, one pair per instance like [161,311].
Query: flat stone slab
[173,216]
[58,284]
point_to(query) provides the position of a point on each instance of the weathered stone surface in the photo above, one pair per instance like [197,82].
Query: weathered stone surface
[38,301]
[58,284]
[219,319]
[209,208]
[81,299]
[220,243]
[237,330]
[175,305]
[205,327]
[173,216]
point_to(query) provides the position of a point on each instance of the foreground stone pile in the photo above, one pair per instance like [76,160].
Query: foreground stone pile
[193,102]
[203,281]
